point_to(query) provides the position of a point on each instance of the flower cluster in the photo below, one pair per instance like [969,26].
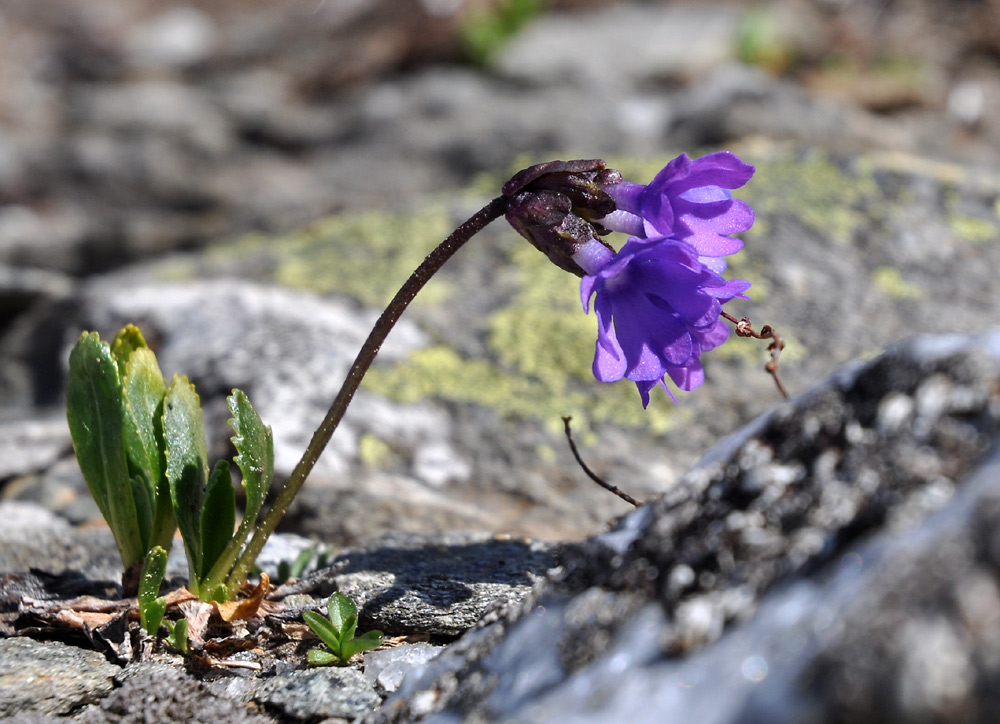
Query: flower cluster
[657,300]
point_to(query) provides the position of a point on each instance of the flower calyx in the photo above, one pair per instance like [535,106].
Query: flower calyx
[557,206]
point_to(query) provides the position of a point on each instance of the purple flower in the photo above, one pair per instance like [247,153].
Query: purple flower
[657,309]
[689,201]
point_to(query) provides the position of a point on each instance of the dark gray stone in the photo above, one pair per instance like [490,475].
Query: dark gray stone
[319,693]
[161,695]
[50,677]
[438,585]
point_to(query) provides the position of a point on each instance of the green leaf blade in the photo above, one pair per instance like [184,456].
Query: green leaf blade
[255,452]
[128,339]
[95,413]
[151,605]
[218,516]
[343,615]
[187,466]
[322,627]
[371,640]
[319,657]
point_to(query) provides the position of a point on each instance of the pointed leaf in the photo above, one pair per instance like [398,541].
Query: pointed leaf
[128,339]
[322,627]
[255,447]
[343,615]
[144,390]
[218,516]
[371,640]
[178,637]
[187,467]
[319,657]
[255,458]
[151,604]
[95,412]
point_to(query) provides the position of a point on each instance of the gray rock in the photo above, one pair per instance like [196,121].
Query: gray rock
[678,40]
[835,558]
[161,694]
[442,584]
[50,677]
[319,693]
[386,668]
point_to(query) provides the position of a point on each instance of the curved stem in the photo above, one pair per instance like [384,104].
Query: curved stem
[362,362]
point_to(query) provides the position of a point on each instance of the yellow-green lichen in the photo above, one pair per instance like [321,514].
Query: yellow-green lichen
[890,282]
[973,229]
[373,452]
[365,255]
[814,190]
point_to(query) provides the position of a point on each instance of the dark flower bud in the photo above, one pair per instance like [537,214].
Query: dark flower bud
[546,219]
[557,206]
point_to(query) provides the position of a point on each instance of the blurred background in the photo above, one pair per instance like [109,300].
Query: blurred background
[132,128]
[250,179]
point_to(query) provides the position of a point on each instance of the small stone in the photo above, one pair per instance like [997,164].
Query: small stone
[50,678]
[313,694]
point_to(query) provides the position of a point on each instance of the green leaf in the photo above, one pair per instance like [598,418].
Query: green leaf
[143,508]
[371,640]
[322,627]
[255,447]
[255,457]
[128,339]
[343,615]
[144,390]
[151,604]
[187,467]
[178,635]
[218,516]
[95,412]
[319,657]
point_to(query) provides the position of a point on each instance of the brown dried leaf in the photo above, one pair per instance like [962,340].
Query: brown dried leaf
[247,607]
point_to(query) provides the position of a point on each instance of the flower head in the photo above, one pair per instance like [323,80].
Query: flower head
[658,300]
[657,309]
[689,201]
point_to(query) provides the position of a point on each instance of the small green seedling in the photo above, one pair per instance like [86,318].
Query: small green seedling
[151,604]
[141,447]
[337,632]
[178,636]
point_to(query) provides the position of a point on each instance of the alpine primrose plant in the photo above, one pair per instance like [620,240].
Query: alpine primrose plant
[658,302]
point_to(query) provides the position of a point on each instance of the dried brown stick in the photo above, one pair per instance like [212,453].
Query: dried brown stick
[744,328]
[590,473]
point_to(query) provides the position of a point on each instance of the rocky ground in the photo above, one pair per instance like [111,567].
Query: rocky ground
[250,183]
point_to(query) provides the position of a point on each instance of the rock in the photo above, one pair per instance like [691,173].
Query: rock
[161,694]
[441,585]
[182,36]
[386,668]
[50,677]
[834,556]
[319,693]
[672,41]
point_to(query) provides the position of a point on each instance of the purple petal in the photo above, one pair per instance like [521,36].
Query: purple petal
[723,169]
[689,377]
